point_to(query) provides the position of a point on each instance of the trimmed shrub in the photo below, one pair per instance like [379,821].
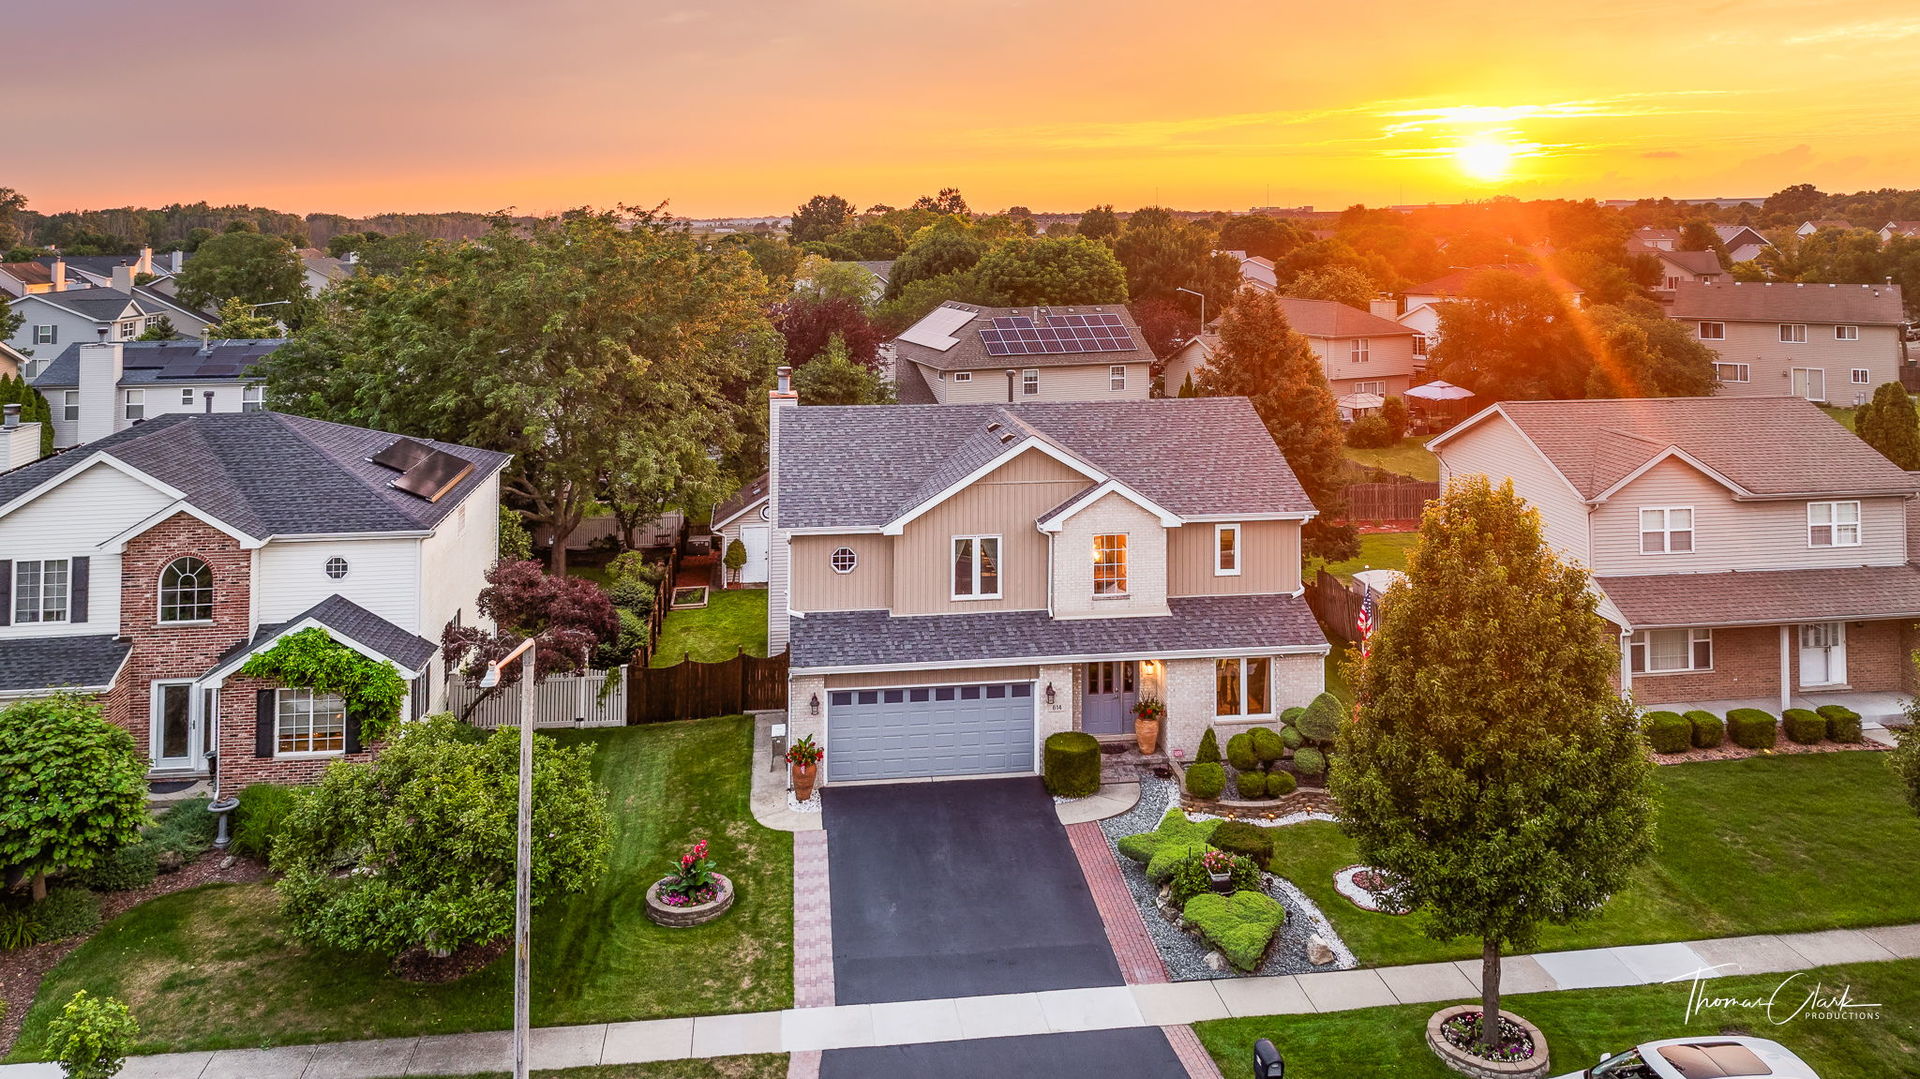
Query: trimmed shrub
[1250,785]
[1669,732]
[1803,726]
[1071,764]
[261,818]
[1241,925]
[1320,723]
[91,1035]
[1267,745]
[1209,752]
[1190,878]
[184,828]
[65,912]
[132,866]
[1291,716]
[1291,737]
[1240,753]
[1281,784]
[1242,838]
[1709,730]
[1751,728]
[1206,780]
[1843,723]
[1310,762]
[1173,841]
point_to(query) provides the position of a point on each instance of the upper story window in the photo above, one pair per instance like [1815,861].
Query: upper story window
[186,396]
[186,591]
[1242,687]
[310,722]
[1793,333]
[1110,564]
[42,590]
[1357,352]
[1833,524]
[963,376]
[843,560]
[253,398]
[1226,550]
[1030,382]
[1419,344]
[1846,333]
[136,404]
[1733,372]
[70,405]
[1673,282]
[1713,331]
[46,335]
[976,567]
[1664,651]
[336,568]
[1666,530]
[129,329]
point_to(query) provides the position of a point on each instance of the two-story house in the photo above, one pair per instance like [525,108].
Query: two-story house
[1743,548]
[964,354]
[121,312]
[1360,353]
[953,583]
[1678,266]
[150,565]
[1833,343]
[1419,306]
[99,388]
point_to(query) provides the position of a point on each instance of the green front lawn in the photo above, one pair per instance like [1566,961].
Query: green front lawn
[1764,845]
[213,968]
[1390,1043]
[732,621]
[1408,457]
[1378,550]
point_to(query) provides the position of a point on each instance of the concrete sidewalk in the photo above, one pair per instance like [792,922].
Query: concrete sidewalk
[1059,1011]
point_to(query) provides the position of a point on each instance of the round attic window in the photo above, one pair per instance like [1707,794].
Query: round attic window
[766,512]
[843,560]
[336,567]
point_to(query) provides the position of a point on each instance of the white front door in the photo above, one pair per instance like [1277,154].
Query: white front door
[754,539]
[1823,654]
[177,742]
[1810,383]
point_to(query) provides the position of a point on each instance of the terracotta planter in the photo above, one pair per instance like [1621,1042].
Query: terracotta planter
[696,914]
[1147,732]
[804,776]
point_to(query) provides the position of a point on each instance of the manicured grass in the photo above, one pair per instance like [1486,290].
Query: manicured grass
[213,968]
[1842,416]
[1336,670]
[1764,845]
[732,621]
[1378,550]
[1408,457]
[756,1066]
[1389,1043]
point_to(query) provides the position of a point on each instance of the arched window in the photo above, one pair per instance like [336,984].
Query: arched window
[186,591]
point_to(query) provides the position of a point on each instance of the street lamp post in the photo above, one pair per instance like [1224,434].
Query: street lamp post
[1203,306]
[523,853]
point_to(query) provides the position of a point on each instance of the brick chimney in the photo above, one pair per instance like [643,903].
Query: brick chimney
[779,562]
[101,364]
[19,442]
[123,278]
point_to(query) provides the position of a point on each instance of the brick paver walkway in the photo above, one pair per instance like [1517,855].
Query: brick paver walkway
[812,922]
[1139,959]
[1186,1045]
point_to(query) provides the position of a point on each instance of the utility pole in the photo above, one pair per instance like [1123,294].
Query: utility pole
[523,852]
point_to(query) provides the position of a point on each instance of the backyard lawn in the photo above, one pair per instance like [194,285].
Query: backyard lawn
[1389,1043]
[213,968]
[1378,550]
[1408,457]
[1763,845]
[732,621]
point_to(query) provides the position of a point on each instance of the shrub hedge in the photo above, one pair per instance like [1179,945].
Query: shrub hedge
[132,866]
[1071,764]
[1669,732]
[1309,761]
[1243,838]
[1206,780]
[1320,723]
[1843,723]
[1751,728]
[1803,726]
[1709,730]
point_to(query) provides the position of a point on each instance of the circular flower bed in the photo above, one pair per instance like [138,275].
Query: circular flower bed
[697,908]
[1520,1052]
[1369,889]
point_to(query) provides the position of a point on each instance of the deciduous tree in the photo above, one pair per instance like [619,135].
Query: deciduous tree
[948,201]
[1341,284]
[238,321]
[1262,235]
[935,252]
[570,615]
[1100,223]
[821,217]
[807,325]
[1031,271]
[1163,257]
[258,269]
[76,788]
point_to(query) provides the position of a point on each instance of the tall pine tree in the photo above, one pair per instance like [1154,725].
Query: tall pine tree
[1889,424]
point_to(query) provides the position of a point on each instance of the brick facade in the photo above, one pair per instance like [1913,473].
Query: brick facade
[1746,664]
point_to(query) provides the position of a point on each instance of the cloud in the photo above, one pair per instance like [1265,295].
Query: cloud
[1882,31]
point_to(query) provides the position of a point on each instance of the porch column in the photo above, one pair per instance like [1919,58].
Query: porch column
[1626,663]
[1786,669]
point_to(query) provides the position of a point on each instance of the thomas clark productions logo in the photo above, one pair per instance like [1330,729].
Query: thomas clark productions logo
[1796,997]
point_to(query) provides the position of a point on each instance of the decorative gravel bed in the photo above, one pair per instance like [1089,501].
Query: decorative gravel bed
[1186,956]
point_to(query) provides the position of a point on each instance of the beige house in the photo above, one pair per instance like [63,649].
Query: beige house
[1359,352]
[1829,343]
[1744,549]
[954,583]
[962,354]
[1678,266]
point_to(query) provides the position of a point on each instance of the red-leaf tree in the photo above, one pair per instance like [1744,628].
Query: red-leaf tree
[809,324]
[572,616]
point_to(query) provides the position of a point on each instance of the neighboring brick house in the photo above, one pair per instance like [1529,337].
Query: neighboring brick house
[965,354]
[1360,353]
[1744,548]
[955,582]
[150,565]
[1830,343]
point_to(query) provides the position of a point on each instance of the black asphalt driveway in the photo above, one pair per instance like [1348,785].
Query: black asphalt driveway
[957,889]
[1140,1053]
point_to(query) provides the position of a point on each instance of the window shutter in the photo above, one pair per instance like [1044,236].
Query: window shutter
[263,723]
[353,731]
[77,579]
[6,591]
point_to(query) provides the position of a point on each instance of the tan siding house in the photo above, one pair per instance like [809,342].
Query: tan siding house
[962,354]
[1830,343]
[1359,352]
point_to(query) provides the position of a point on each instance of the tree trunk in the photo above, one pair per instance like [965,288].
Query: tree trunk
[557,558]
[39,885]
[1489,992]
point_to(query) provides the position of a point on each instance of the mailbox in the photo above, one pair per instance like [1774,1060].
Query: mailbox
[1267,1062]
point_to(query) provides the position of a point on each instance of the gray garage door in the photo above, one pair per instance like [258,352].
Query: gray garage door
[929,731]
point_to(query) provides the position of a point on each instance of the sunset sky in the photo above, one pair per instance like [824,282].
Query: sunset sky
[748,107]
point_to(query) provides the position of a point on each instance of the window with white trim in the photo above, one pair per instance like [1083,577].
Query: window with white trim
[310,722]
[843,560]
[1733,372]
[135,404]
[1673,282]
[186,591]
[976,567]
[129,329]
[1669,651]
[336,568]
[1117,377]
[1226,550]
[1666,530]
[1793,333]
[186,396]
[1357,352]
[1713,331]
[46,335]
[1846,333]
[1419,344]
[1110,564]
[70,405]
[963,376]
[253,398]
[1861,375]
[1030,382]
[151,321]
[1378,389]
[1833,524]
[42,590]
[1243,687]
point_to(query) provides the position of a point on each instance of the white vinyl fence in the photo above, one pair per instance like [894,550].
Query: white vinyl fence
[565,700]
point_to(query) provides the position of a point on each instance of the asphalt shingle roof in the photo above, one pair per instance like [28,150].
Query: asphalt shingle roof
[863,465]
[1325,318]
[1216,624]
[268,473]
[970,354]
[408,651]
[98,304]
[1767,301]
[51,662]
[1696,262]
[754,491]
[150,362]
[1766,597]
[910,386]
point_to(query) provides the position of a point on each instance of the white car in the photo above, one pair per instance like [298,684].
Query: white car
[1721,1057]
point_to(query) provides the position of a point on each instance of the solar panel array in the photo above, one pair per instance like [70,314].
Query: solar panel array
[1017,335]
[402,454]
[424,471]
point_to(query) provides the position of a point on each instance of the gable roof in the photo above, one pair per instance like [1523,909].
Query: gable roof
[150,298]
[1325,318]
[969,352]
[1766,446]
[268,473]
[1695,262]
[1769,301]
[1902,228]
[1739,236]
[880,268]
[28,273]
[145,363]
[861,467]
[341,617]
[748,496]
[97,303]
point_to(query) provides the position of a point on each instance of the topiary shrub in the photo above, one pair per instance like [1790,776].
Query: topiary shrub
[1267,745]
[1751,728]
[1291,717]
[1310,762]
[1669,732]
[1708,729]
[65,912]
[261,817]
[1250,785]
[1241,925]
[1320,723]
[1843,723]
[1291,738]
[1190,878]
[1174,840]
[1070,765]
[1240,753]
[1243,838]
[1803,726]
[1206,780]
[1209,752]
[132,866]
[1281,784]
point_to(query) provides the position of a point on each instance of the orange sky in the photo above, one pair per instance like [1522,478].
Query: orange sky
[748,107]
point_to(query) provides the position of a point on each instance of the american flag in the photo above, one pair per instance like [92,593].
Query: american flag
[1364,623]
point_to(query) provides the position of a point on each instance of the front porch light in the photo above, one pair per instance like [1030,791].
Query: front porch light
[813,705]
[1050,695]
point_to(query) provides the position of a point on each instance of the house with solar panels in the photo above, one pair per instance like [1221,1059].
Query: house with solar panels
[966,354]
[106,386]
[64,316]
[147,566]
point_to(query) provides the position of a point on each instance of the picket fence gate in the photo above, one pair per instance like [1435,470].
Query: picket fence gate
[564,700]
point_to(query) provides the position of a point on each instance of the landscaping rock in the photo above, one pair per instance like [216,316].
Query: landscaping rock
[1319,952]
[171,861]
[1216,961]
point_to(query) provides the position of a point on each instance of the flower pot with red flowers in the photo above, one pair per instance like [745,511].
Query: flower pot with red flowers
[1148,713]
[691,894]
[1219,867]
[803,763]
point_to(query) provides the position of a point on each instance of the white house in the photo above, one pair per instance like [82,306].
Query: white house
[64,316]
[746,515]
[106,386]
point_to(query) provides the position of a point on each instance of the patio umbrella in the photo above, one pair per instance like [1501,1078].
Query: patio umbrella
[1440,390]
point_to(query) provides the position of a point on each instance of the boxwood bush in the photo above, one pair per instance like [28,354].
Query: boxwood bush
[1240,752]
[1176,839]
[1708,729]
[132,866]
[1190,878]
[1843,723]
[1291,717]
[1267,745]
[1751,728]
[1309,762]
[1250,785]
[1803,726]
[1281,784]
[1243,838]
[1292,738]
[1206,780]
[1669,732]
[1071,767]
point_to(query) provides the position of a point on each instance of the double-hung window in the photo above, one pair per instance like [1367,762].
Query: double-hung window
[1666,651]
[310,722]
[1226,550]
[42,590]
[1833,524]
[70,405]
[1357,352]
[1030,382]
[46,335]
[1846,333]
[186,396]
[1793,333]
[1117,377]
[1713,331]
[1110,564]
[1666,530]
[129,330]
[1419,344]
[976,567]
[1242,687]
[253,398]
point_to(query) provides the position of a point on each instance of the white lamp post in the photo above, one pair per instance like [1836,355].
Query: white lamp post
[523,855]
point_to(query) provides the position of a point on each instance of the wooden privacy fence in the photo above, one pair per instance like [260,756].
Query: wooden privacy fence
[696,690]
[565,700]
[1337,605]
[1389,501]
[664,597]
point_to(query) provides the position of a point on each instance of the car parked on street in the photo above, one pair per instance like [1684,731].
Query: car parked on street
[1717,1057]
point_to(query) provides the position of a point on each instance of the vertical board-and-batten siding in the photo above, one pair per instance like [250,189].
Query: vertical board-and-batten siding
[1073,382]
[1496,449]
[1730,535]
[70,521]
[1269,560]
[817,587]
[1005,502]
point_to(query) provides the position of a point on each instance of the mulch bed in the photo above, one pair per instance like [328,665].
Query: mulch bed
[21,971]
[416,965]
[1727,751]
